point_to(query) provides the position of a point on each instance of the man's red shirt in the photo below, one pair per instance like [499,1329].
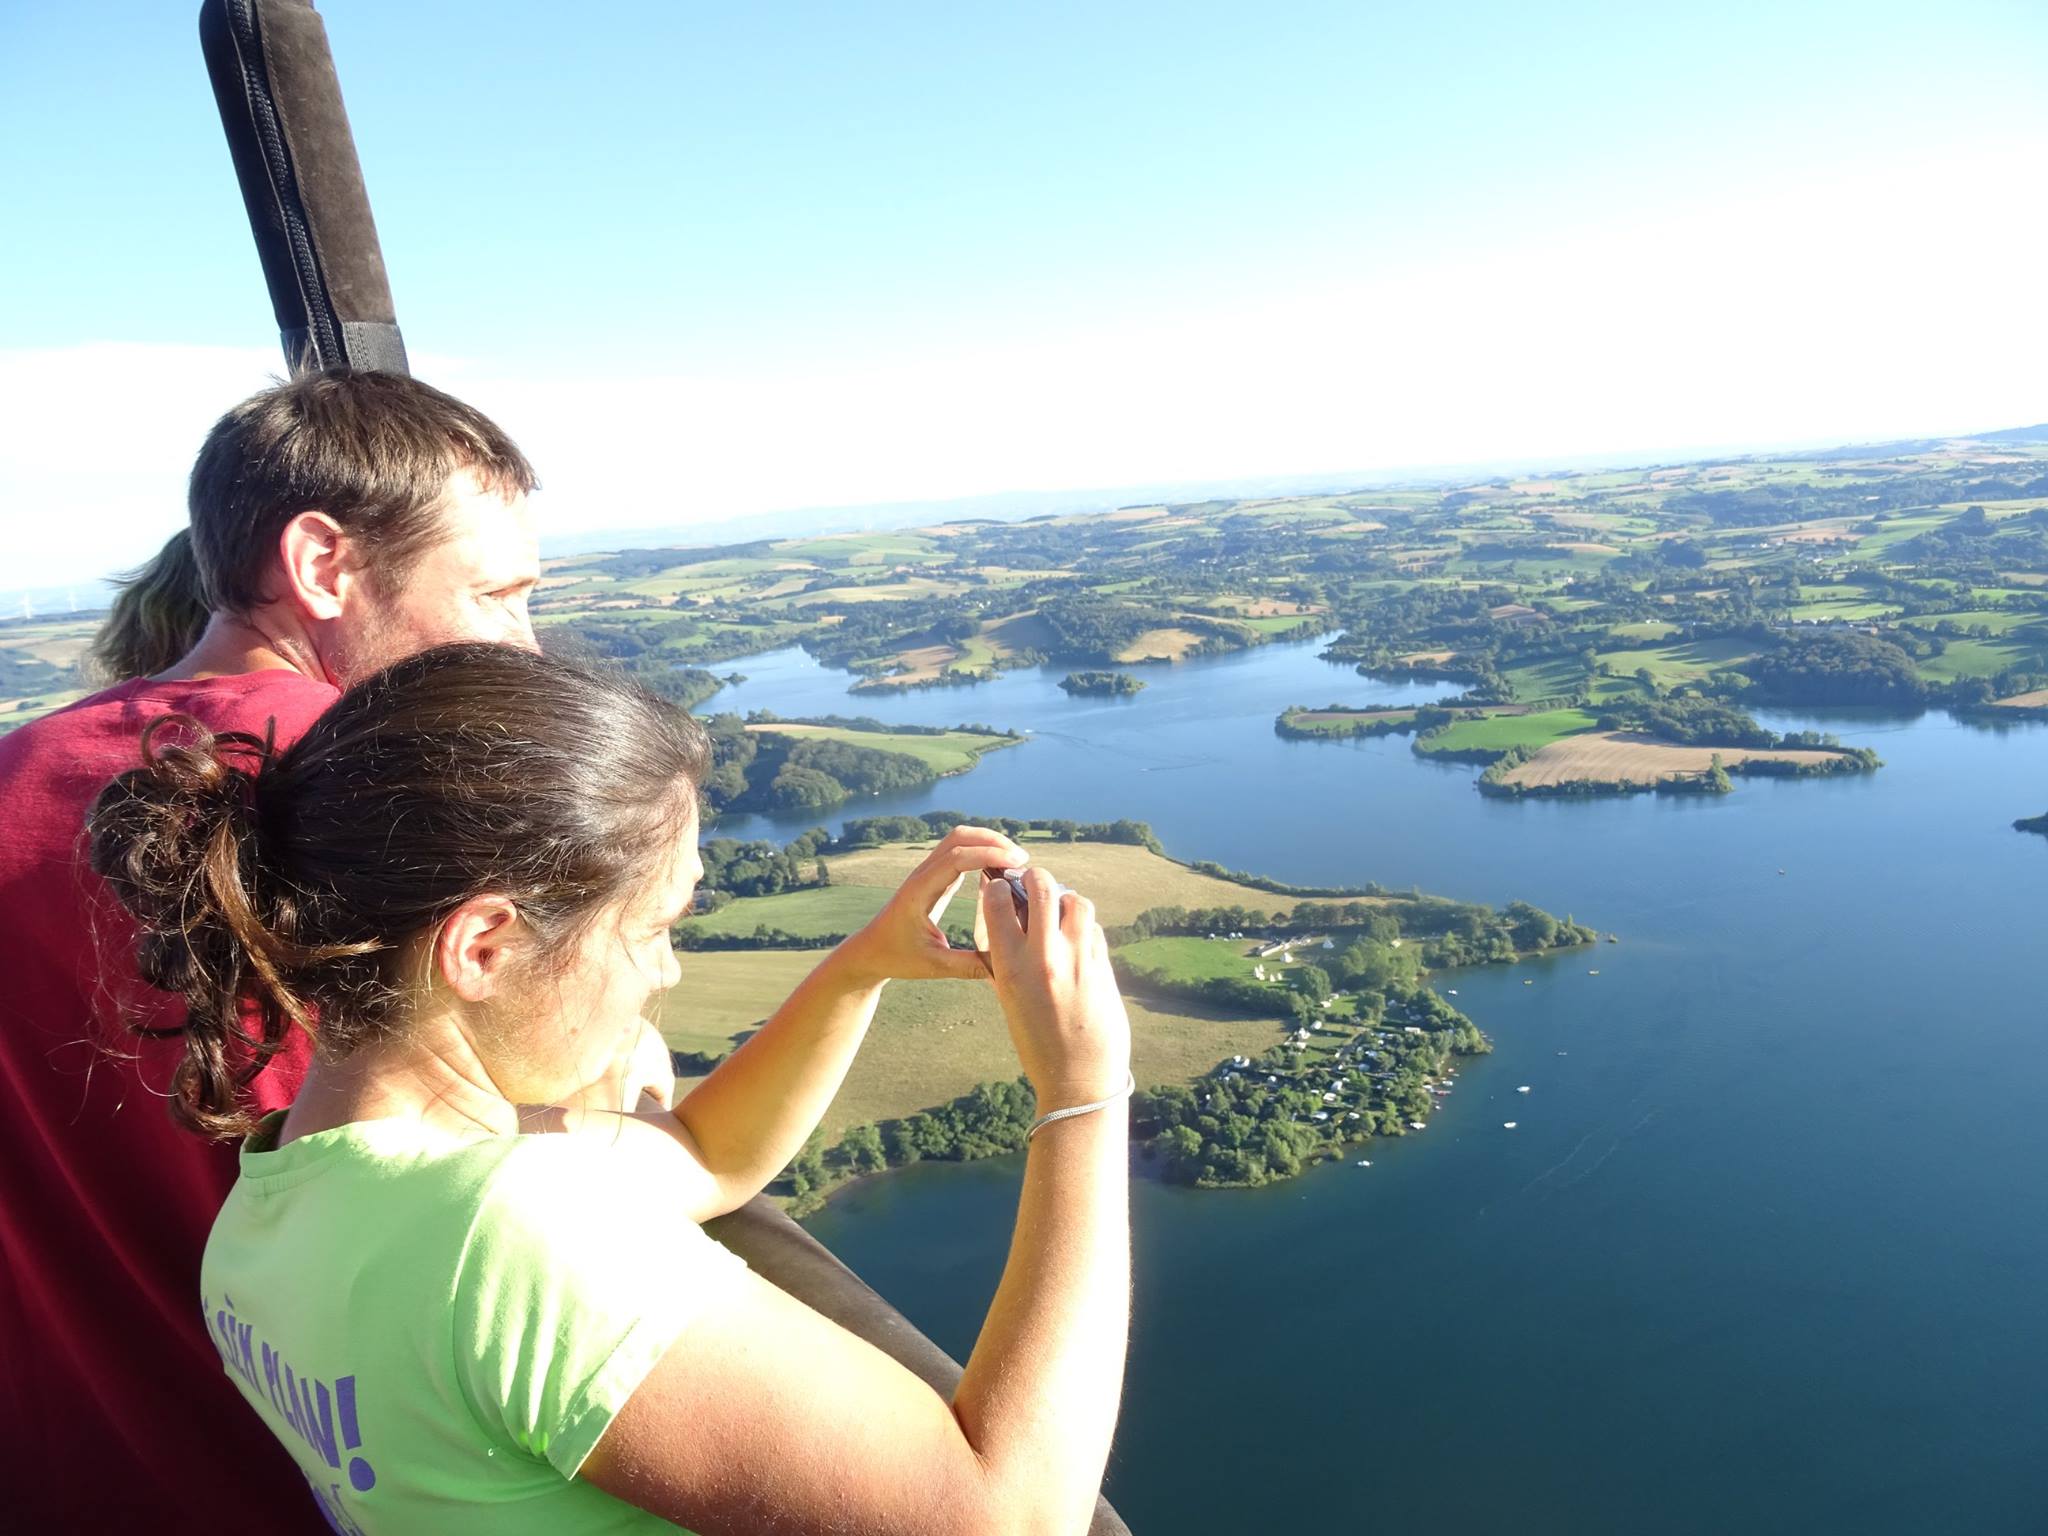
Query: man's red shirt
[114,1410]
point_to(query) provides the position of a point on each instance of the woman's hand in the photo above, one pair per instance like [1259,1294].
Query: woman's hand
[1058,992]
[904,941]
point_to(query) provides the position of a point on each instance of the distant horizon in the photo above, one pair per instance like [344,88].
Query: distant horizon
[825,521]
[722,269]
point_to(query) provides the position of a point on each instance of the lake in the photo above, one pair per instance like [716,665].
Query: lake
[1765,1249]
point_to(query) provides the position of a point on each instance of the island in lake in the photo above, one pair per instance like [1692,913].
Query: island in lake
[1101,684]
[1273,1026]
[763,762]
[1681,743]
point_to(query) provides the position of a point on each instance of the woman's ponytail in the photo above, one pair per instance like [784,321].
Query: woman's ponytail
[281,895]
[176,840]
[157,616]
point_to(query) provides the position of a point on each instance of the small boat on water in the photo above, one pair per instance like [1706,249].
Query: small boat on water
[1525,1087]
[1507,1125]
[1592,973]
[1364,1162]
[1528,983]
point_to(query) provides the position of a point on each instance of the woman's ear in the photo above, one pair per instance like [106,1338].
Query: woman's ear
[476,946]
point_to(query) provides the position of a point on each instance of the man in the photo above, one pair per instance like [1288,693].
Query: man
[338,522]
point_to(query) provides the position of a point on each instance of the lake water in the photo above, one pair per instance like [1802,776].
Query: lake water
[1766,1250]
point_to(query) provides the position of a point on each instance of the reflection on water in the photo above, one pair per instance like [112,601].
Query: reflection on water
[1762,1252]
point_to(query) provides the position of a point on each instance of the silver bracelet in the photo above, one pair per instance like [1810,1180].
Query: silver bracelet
[1130,1087]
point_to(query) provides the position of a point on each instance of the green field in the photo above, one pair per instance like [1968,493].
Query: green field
[1895,531]
[2000,621]
[1500,733]
[883,592]
[1681,662]
[1985,658]
[809,913]
[1340,723]
[954,752]
[863,549]
[1845,610]
[1548,679]
[723,995]
[1190,959]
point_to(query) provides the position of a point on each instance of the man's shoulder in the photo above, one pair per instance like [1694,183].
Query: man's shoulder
[68,755]
[250,701]
[245,701]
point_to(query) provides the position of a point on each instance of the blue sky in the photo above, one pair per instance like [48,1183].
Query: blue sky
[716,261]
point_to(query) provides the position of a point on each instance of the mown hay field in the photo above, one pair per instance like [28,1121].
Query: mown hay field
[1160,645]
[931,1040]
[1620,757]
[1122,879]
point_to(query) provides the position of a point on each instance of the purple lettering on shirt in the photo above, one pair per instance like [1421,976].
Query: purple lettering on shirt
[327,1419]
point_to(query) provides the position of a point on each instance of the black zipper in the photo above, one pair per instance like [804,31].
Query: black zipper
[284,184]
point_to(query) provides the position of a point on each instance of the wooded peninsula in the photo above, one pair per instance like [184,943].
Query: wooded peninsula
[1273,1026]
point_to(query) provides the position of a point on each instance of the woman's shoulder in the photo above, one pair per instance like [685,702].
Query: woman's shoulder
[590,1189]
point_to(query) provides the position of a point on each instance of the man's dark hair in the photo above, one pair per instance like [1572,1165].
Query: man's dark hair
[374,451]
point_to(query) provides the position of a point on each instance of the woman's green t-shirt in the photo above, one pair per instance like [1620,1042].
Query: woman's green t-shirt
[439,1328]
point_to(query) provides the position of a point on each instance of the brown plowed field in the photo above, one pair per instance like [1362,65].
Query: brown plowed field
[1622,757]
[2038,699]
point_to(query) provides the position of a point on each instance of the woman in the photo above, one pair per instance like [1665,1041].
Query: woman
[465,1293]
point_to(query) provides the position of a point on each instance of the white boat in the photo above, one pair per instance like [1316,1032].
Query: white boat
[1523,1089]
[1363,1163]
[1507,1125]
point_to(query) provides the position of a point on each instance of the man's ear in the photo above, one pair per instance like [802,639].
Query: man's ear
[318,564]
[476,946]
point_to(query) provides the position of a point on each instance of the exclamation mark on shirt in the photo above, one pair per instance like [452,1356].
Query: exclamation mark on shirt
[361,1475]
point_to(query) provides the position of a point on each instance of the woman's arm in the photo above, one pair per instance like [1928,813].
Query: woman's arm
[753,1114]
[765,1415]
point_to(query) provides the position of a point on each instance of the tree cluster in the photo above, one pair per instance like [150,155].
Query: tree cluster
[988,1121]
